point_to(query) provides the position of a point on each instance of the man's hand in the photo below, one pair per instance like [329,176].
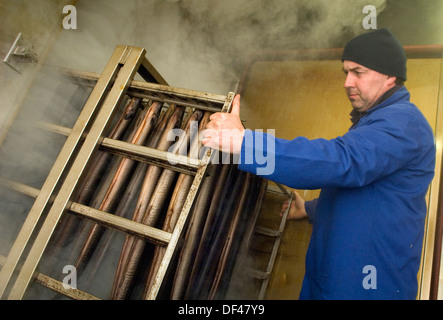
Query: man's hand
[297,209]
[225,131]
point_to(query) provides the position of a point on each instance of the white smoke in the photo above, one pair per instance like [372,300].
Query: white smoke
[204,44]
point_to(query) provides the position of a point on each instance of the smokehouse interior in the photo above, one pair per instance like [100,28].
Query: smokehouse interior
[107,191]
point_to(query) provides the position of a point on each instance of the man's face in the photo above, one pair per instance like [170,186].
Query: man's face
[365,86]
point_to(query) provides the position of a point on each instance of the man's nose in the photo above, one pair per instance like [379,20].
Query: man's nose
[350,81]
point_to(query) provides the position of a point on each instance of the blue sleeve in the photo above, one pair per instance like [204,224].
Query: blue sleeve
[310,207]
[361,156]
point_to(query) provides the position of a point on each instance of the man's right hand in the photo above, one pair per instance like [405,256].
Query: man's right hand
[225,131]
[297,209]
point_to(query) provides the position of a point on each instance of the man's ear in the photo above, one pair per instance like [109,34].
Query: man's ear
[391,81]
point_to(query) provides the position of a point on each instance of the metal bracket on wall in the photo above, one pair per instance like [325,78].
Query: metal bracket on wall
[19,53]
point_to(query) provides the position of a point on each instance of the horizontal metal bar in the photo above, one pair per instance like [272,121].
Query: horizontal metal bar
[159,92]
[154,235]
[257,274]
[171,100]
[20,187]
[57,286]
[163,159]
[54,128]
[268,231]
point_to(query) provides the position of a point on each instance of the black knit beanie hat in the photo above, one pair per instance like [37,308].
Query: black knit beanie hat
[378,50]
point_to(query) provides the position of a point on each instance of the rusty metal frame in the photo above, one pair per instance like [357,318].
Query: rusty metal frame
[54,198]
[123,65]
[277,235]
[96,98]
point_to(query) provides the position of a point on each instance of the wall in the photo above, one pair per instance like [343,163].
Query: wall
[39,23]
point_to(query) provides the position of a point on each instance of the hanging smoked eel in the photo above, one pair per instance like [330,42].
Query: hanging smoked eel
[155,208]
[118,182]
[210,240]
[201,240]
[219,234]
[233,288]
[231,236]
[176,203]
[82,231]
[99,167]
[124,207]
[151,175]
[123,210]
[126,267]
[70,223]
[208,197]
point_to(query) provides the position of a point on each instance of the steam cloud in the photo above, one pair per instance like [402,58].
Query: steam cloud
[237,29]
[203,44]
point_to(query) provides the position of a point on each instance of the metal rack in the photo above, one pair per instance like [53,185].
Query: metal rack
[54,199]
[276,235]
[263,273]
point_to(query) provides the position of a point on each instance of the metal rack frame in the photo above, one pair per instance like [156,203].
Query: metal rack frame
[86,136]
[277,235]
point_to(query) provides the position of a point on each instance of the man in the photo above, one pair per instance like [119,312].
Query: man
[368,221]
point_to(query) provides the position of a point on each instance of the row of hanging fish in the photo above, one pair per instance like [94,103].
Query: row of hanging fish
[218,228]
